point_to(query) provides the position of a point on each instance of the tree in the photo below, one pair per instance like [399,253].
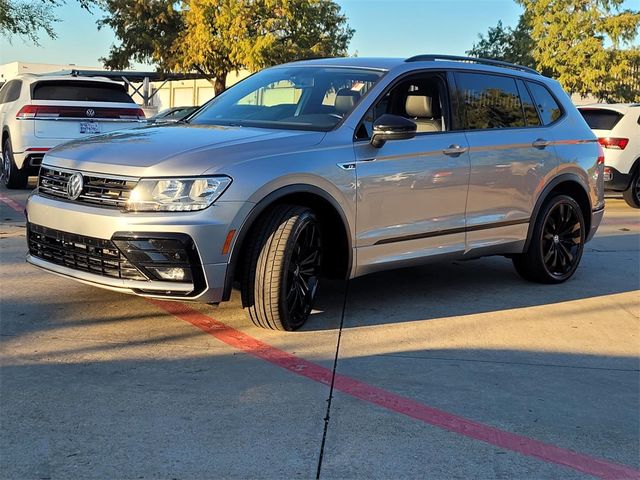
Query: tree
[27,19]
[148,31]
[217,37]
[582,42]
[507,44]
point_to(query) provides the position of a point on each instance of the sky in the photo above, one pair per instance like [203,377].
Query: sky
[397,28]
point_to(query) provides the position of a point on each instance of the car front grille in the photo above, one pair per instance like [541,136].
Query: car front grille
[100,190]
[78,252]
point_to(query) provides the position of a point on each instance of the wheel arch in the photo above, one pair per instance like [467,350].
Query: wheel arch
[568,184]
[330,214]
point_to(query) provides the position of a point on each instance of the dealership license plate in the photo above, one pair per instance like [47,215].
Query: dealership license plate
[89,127]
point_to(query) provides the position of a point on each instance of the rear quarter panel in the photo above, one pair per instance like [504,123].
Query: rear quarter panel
[577,148]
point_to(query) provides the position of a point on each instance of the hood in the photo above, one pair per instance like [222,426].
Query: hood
[176,150]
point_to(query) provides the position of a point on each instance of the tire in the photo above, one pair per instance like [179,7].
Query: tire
[632,194]
[282,268]
[11,176]
[557,243]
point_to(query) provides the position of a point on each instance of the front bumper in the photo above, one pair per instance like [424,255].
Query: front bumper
[207,229]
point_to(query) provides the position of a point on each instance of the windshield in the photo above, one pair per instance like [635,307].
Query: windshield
[302,98]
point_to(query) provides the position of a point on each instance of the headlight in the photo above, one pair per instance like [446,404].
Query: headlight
[176,194]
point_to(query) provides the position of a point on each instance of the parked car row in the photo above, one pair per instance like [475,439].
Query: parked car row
[329,167]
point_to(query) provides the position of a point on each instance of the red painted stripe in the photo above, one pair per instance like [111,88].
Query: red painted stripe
[391,401]
[11,204]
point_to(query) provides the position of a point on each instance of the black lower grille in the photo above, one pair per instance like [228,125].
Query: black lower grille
[78,252]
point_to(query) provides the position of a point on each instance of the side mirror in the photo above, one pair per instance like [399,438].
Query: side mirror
[392,127]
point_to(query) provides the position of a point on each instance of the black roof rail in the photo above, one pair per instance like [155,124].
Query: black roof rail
[483,61]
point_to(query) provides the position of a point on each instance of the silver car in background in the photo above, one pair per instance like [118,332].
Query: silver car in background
[332,167]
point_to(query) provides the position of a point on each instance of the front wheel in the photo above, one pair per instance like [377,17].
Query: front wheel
[557,243]
[282,268]
[632,194]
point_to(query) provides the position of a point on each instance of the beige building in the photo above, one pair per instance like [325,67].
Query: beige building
[175,93]
[181,93]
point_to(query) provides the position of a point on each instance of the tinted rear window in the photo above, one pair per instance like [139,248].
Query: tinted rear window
[489,101]
[547,105]
[80,91]
[600,119]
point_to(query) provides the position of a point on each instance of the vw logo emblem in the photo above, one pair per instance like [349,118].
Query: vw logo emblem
[90,112]
[74,186]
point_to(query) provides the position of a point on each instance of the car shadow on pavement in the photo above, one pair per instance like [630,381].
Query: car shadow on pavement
[610,265]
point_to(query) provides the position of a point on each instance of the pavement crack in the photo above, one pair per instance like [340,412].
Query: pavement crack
[501,362]
[333,378]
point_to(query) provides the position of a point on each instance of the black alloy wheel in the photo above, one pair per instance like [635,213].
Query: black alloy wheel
[562,240]
[556,242]
[301,281]
[282,267]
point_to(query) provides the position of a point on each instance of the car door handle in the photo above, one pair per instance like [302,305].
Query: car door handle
[455,150]
[540,143]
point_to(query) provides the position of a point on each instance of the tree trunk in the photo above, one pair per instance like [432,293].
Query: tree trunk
[220,83]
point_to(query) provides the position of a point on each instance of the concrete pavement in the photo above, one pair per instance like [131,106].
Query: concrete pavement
[95,384]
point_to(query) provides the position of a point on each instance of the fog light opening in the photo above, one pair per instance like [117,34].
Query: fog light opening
[173,274]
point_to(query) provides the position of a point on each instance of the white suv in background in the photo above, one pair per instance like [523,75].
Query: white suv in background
[618,129]
[38,112]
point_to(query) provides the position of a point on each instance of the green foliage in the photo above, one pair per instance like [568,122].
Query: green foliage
[27,19]
[216,37]
[506,44]
[147,31]
[586,45]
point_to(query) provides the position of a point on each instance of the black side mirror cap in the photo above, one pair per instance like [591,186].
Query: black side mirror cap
[392,127]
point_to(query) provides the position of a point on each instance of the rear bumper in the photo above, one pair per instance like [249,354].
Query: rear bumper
[596,219]
[30,159]
[615,180]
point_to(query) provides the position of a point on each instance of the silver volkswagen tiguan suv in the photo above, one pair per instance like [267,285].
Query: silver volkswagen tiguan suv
[330,167]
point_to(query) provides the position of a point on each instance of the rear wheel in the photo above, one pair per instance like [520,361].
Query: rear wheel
[282,268]
[556,244]
[11,175]
[632,194]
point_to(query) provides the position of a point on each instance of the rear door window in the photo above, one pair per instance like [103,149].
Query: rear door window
[549,109]
[80,91]
[600,119]
[489,101]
